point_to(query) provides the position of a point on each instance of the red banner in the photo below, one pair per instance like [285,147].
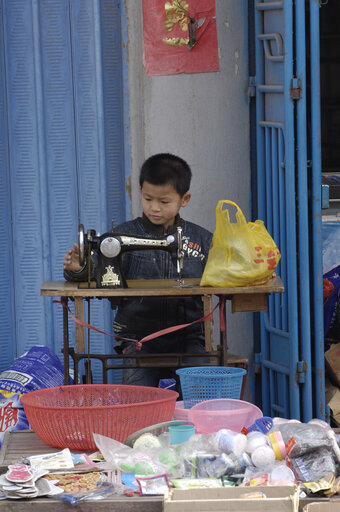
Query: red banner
[180,36]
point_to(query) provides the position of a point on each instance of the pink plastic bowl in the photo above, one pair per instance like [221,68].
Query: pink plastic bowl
[180,413]
[212,415]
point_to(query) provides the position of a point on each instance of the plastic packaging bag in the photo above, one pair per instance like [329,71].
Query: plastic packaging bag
[274,474]
[148,462]
[301,438]
[103,489]
[312,466]
[36,369]
[242,253]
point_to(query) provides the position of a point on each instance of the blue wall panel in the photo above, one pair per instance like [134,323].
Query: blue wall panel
[57,140]
[115,177]
[113,114]
[7,348]
[61,113]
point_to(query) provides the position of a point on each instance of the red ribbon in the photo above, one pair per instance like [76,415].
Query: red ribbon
[63,302]
[154,335]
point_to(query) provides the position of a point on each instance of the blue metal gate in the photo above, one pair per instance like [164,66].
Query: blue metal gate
[61,154]
[288,200]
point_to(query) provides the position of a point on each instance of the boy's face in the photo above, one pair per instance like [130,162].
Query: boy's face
[161,203]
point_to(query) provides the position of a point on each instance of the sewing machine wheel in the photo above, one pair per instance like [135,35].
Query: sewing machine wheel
[81,245]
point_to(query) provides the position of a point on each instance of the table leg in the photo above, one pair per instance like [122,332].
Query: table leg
[208,324]
[79,311]
[223,331]
[66,341]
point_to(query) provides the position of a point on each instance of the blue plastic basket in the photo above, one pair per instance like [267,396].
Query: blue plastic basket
[209,382]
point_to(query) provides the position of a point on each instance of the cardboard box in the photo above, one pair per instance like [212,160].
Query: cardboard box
[323,506]
[332,360]
[233,499]
[333,400]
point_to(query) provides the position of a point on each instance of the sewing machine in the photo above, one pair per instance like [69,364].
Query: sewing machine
[110,246]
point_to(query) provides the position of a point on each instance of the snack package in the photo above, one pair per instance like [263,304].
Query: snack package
[313,465]
[195,483]
[276,474]
[154,485]
[52,461]
[75,482]
[323,486]
[102,489]
[12,414]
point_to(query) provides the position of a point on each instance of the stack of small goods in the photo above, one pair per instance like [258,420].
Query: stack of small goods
[21,481]
[273,451]
[62,474]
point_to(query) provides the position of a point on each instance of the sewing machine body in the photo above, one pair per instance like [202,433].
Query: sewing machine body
[110,246]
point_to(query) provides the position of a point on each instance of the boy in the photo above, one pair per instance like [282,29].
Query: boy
[164,183]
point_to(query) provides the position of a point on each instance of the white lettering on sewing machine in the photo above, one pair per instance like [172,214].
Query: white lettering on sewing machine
[129,240]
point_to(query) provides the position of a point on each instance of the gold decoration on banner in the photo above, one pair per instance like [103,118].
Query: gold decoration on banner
[176,13]
[176,41]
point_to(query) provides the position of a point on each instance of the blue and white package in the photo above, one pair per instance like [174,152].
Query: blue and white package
[36,369]
[12,414]
[167,383]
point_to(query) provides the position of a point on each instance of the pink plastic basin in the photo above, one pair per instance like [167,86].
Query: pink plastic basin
[180,413]
[212,415]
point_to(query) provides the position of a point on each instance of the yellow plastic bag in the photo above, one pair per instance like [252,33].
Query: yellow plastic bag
[242,253]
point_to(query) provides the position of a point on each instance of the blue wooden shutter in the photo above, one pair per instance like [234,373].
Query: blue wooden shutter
[7,347]
[62,154]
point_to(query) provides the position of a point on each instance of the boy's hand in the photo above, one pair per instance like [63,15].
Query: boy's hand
[71,259]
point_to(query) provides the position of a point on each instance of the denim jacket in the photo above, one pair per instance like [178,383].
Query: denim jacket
[139,317]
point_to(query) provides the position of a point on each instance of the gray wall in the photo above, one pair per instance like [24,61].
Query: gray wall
[203,118]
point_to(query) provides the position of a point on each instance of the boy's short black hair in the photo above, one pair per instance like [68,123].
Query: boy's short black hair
[164,168]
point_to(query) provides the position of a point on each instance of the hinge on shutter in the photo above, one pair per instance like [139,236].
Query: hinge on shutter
[258,362]
[251,87]
[295,89]
[301,369]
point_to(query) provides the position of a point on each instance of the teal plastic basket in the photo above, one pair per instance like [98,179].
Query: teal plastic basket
[210,382]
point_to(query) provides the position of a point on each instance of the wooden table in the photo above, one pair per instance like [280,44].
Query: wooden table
[243,299]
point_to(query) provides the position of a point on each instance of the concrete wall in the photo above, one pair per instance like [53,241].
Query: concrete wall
[203,118]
